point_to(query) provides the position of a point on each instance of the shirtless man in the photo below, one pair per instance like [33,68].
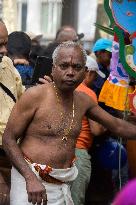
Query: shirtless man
[10,79]
[47,119]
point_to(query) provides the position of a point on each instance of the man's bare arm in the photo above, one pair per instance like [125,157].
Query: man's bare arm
[96,128]
[22,114]
[115,125]
[4,191]
[19,119]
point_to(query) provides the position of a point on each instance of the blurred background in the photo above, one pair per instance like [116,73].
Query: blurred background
[47,16]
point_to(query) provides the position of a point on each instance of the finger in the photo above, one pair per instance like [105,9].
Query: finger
[39,198]
[7,199]
[4,199]
[44,197]
[29,197]
[43,81]
[34,198]
[45,202]
[1,200]
[47,78]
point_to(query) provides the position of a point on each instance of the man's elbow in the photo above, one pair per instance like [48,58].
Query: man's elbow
[4,141]
[7,139]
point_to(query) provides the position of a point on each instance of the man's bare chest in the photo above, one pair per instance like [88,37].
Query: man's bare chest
[57,122]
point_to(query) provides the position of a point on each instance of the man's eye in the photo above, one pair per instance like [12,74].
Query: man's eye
[64,66]
[77,66]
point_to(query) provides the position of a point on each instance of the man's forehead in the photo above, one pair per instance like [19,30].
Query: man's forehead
[3,27]
[70,52]
[3,32]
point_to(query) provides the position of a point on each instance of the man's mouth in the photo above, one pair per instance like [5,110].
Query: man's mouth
[69,82]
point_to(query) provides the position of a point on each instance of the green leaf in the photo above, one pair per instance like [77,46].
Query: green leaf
[110,31]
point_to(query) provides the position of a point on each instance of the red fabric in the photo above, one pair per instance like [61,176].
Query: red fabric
[133,35]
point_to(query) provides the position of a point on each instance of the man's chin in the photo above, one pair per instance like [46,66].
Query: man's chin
[70,86]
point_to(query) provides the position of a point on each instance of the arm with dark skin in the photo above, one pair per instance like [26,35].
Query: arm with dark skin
[21,116]
[117,126]
[4,191]
[105,120]
[96,128]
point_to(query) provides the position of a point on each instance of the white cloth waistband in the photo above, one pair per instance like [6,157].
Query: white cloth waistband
[56,194]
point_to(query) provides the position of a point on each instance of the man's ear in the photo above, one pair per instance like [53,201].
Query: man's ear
[53,67]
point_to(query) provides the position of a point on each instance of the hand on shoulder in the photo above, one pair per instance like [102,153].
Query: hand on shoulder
[45,80]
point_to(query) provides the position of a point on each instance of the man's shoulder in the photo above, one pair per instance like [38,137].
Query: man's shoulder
[37,92]
[6,62]
[87,91]
[7,66]
[10,77]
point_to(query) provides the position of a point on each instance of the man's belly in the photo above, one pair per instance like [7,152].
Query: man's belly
[54,152]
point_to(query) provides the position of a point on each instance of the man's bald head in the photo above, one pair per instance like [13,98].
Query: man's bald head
[66,45]
[66,33]
[3,39]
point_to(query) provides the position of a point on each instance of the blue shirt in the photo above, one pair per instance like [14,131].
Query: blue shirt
[26,72]
[98,83]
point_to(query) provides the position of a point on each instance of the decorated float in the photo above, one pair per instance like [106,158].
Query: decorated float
[119,90]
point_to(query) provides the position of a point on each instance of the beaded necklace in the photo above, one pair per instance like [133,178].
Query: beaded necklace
[66,130]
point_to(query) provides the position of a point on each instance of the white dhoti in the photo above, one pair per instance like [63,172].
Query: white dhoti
[56,194]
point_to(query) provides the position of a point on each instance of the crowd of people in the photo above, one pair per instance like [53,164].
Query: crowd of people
[47,130]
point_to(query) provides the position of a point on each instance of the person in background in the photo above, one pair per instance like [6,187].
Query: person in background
[102,49]
[11,81]
[84,141]
[65,33]
[35,39]
[19,47]
[36,47]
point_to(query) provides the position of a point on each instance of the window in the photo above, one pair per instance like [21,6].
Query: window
[51,11]
[0,9]
[22,14]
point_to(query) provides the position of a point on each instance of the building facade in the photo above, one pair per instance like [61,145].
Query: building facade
[46,16]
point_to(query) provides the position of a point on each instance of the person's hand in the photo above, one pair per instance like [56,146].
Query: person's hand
[131,118]
[4,194]
[45,80]
[36,191]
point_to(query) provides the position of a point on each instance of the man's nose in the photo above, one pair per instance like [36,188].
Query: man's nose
[71,71]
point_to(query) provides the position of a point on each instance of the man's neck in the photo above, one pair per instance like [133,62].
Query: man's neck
[65,95]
